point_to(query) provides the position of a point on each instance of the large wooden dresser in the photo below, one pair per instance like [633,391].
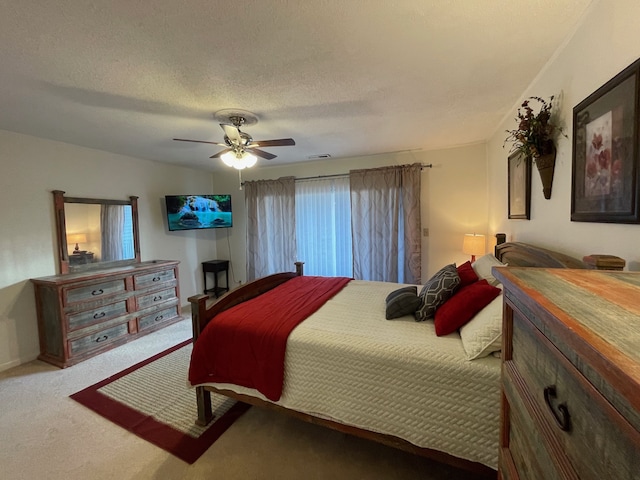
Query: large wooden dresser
[83,314]
[571,374]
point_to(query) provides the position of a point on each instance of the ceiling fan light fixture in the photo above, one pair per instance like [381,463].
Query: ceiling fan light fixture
[240,160]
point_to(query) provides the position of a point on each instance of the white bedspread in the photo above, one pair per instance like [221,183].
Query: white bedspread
[347,363]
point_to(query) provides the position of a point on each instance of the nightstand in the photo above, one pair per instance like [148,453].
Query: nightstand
[215,267]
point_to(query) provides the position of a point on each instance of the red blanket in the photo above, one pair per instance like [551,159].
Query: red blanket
[245,345]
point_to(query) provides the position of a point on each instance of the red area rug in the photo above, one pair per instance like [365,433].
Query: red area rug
[151,399]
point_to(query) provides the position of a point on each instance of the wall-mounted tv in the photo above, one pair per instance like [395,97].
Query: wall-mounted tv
[192,212]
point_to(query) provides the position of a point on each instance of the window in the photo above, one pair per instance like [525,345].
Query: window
[323,226]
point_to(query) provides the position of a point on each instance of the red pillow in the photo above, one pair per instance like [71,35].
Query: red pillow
[462,307]
[467,274]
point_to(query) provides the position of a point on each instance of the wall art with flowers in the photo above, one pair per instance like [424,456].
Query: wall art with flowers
[605,173]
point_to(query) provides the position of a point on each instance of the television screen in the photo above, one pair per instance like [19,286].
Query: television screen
[191,212]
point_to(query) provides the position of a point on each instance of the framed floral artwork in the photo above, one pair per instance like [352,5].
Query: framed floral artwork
[519,175]
[605,175]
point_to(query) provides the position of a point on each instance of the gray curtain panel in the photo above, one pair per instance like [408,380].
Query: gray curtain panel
[271,227]
[385,220]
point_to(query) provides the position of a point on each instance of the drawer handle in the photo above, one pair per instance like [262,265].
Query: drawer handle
[97,292]
[101,338]
[158,318]
[157,297]
[561,415]
[156,279]
[99,315]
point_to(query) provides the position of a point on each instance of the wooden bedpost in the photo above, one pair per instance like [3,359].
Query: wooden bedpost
[203,397]
[299,268]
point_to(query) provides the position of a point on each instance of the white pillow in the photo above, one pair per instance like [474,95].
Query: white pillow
[483,334]
[483,265]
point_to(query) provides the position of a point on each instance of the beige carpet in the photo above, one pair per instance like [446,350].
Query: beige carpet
[47,435]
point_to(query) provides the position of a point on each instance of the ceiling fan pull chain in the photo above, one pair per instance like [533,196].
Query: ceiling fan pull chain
[240,179]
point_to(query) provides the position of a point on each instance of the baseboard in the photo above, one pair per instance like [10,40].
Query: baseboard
[16,362]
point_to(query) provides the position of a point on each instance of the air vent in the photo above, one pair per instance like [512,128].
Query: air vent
[322,155]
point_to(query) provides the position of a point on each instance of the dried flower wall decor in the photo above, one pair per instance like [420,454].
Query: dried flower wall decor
[534,138]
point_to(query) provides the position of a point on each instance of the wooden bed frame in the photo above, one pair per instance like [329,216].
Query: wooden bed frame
[204,308]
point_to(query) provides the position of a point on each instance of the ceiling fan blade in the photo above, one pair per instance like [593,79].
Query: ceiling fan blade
[281,142]
[263,154]
[220,153]
[232,133]
[200,141]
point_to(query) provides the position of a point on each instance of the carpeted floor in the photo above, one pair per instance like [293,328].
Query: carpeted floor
[46,434]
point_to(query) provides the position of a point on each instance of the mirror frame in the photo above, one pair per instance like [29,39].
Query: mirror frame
[59,201]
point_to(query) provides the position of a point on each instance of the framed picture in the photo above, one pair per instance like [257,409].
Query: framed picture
[604,175]
[519,186]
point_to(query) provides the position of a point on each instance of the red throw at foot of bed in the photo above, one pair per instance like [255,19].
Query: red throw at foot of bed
[245,345]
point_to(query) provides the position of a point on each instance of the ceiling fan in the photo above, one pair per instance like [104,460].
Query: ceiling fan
[240,149]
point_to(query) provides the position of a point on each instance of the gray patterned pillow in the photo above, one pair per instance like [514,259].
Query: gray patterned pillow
[436,291]
[403,301]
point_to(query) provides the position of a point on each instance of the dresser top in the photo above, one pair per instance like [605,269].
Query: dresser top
[601,308]
[104,272]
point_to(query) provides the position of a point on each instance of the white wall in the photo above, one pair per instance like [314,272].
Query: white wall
[453,202]
[31,169]
[607,40]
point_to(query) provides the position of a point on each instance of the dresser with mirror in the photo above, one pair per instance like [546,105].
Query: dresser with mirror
[104,295]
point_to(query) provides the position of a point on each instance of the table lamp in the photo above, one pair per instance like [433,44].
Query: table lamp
[473,245]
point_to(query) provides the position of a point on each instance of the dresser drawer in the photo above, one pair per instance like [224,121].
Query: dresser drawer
[526,445]
[98,339]
[589,427]
[157,318]
[156,297]
[93,292]
[145,280]
[100,314]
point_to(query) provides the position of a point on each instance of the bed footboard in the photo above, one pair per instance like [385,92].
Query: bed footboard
[204,308]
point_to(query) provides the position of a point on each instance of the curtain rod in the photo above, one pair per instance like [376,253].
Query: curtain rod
[423,165]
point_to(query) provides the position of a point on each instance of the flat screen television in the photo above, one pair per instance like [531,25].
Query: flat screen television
[193,212]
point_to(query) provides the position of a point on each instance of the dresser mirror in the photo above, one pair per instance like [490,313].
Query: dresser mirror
[96,233]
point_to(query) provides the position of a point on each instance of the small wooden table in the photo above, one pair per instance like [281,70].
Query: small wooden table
[215,267]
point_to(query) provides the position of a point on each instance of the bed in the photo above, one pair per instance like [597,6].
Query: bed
[392,381]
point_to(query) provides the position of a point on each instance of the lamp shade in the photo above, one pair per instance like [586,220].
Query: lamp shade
[239,160]
[473,244]
[77,238]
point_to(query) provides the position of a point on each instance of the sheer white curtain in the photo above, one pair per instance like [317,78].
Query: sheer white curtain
[323,226]
[385,212]
[271,230]
[111,226]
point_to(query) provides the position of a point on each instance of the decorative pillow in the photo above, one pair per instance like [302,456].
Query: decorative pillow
[403,301]
[483,265]
[436,291]
[467,274]
[461,308]
[482,336]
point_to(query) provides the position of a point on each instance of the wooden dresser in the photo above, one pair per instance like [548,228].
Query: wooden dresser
[83,314]
[571,374]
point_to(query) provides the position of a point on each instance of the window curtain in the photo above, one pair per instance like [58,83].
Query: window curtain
[323,226]
[385,222]
[271,230]
[111,228]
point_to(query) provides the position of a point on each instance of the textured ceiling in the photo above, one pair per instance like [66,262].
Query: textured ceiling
[341,77]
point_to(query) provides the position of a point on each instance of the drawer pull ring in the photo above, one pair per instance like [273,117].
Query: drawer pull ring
[97,292]
[561,415]
[158,318]
[99,315]
[155,279]
[157,297]
[101,338]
